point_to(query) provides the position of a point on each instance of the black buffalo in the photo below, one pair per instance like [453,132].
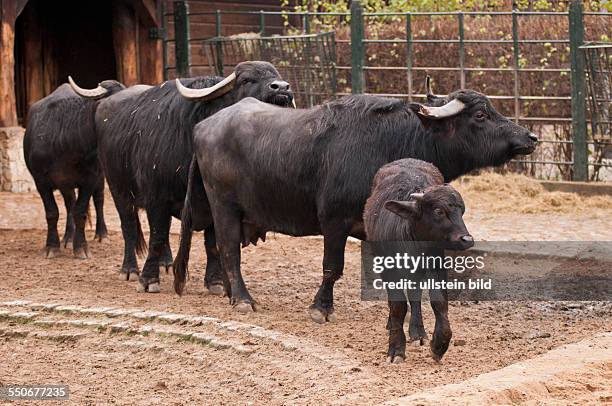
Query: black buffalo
[60,152]
[145,146]
[308,172]
[411,202]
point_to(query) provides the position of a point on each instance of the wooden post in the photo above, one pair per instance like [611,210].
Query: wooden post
[33,57]
[151,61]
[125,41]
[8,109]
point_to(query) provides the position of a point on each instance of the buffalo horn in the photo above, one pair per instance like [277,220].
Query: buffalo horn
[96,93]
[450,109]
[428,91]
[417,196]
[207,93]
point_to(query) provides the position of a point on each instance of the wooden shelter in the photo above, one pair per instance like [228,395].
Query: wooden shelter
[42,42]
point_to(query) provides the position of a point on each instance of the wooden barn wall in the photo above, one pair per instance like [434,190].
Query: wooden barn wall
[203,26]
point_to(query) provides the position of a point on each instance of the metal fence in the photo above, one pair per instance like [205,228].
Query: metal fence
[307,62]
[569,156]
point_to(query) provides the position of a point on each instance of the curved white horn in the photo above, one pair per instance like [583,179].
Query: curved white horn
[96,93]
[451,108]
[209,92]
[428,91]
[417,196]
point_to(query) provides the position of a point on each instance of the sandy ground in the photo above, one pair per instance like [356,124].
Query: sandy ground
[335,363]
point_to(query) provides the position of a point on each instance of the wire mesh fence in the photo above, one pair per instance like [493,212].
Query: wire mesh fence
[598,58]
[307,62]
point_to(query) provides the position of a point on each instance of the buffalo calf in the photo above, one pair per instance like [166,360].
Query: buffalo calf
[411,202]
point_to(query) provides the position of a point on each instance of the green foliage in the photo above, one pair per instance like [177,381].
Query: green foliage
[404,6]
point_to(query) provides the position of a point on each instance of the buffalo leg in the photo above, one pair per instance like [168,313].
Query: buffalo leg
[398,308]
[165,259]
[214,278]
[69,199]
[79,243]
[416,330]
[159,224]
[98,198]
[228,243]
[52,215]
[334,242]
[129,231]
[442,331]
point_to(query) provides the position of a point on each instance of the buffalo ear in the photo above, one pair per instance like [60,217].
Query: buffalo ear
[404,209]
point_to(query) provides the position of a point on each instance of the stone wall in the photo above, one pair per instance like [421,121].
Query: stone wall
[14,176]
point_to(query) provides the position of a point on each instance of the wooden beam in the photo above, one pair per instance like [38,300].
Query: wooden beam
[33,56]
[125,41]
[8,110]
[51,77]
[148,11]
[151,61]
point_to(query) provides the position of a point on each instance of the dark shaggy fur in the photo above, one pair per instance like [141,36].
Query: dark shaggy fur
[61,153]
[303,172]
[393,213]
[146,146]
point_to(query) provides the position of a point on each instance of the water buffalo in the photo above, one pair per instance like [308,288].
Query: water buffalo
[411,202]
[145,146]
[60,152]
[309,172]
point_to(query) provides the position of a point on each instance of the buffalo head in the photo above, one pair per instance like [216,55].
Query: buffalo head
[256,79]
[467,120]
[435,215]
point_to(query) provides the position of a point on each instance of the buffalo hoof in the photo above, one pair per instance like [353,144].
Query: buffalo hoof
[128,276]
[395,359]
[82,253]
[150,288]
[244,307]
[66,241]
[167,268]
[417,335]
[101,237]
[436,356]
[147,285]
[216,290]
[51,252]
[320,315]
[418,341]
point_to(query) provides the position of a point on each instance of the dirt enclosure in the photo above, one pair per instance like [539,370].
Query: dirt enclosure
[73,322]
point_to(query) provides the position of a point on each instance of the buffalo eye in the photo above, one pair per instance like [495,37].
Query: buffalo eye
[480,115]
[246,80]
[439,212]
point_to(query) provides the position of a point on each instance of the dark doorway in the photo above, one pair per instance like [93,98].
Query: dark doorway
[54,39]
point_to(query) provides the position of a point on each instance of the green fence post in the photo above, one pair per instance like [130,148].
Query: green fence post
[164,40]
[262,23]
[306,23]
[357,51]
[516,65]
[409,53]
[579,130]
[219,44]
[181,38]
[461,49]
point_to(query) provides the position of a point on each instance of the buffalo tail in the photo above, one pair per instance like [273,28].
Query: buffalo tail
[181,262]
